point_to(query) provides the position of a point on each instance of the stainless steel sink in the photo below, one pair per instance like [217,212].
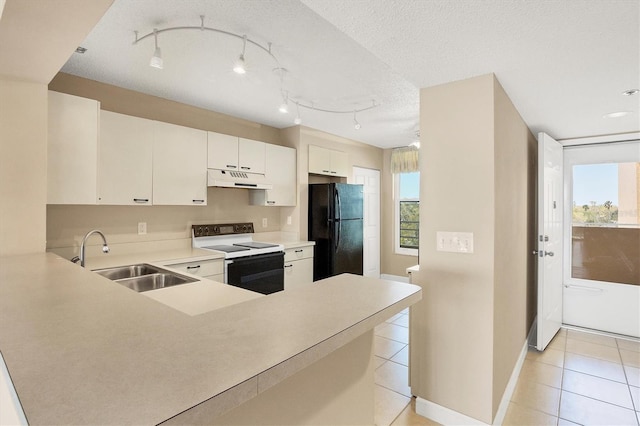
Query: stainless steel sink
[155,281]
[144,277]
[130,271]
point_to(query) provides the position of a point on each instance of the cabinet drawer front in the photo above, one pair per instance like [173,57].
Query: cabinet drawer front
[201,269]
[298,253]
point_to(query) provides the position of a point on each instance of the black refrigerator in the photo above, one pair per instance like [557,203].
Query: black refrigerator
[335,224]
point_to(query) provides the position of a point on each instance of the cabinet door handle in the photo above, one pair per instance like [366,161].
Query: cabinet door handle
[232,166]
[245,168]
[193,267]
[198,201]
[288,266]
[326,171]
[334,172]
[141,200]
[271,202]
[299,251]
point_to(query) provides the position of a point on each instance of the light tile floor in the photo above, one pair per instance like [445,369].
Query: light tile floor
[581,378]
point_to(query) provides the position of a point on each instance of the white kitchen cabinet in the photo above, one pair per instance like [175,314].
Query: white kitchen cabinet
[280,171]
[222,151]
[251,156]
[210,269]
[298,267]
[179,165]
[225,152]
[125,165]
[72,149]
[324,161]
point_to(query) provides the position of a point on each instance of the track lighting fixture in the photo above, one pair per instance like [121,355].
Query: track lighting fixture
[356,125]
[297,120]
[156,59]
[239,67]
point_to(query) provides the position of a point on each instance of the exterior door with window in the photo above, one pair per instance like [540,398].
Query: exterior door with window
[602,250]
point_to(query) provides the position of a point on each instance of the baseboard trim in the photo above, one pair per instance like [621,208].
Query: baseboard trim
[444,415]
[511,385]
[390,277]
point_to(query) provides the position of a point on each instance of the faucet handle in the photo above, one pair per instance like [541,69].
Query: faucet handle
[75,259]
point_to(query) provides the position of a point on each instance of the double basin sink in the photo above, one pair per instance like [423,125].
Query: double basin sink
[144,277]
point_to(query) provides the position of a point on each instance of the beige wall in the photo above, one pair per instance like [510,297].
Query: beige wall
[391,263]
[472,321]
[515,201]
[23,167]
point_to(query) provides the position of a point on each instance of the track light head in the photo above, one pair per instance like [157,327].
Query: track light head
[297,120]
[356,125]
[284,108]
[239,67]
[156,59]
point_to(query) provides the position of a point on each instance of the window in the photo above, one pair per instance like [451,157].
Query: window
[604,192]
[407,217]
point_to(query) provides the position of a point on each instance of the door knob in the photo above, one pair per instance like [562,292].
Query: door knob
[548,253]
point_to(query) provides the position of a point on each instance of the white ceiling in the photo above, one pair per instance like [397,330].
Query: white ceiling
[564,64]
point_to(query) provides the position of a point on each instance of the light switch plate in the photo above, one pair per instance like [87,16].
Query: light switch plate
[454,242]
[264,222]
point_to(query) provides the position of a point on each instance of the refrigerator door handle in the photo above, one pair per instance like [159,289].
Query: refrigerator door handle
[339,209]
[337,226]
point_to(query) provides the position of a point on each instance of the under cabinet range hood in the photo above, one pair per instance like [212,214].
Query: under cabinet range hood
[232,179]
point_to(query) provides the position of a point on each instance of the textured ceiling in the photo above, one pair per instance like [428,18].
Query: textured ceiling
[563,63]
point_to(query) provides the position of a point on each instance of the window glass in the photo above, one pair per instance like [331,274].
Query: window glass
[605,231]
[408,213]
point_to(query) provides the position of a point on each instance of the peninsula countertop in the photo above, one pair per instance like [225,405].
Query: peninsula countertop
[81,349]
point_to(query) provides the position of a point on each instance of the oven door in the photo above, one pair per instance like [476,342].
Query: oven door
[263,273]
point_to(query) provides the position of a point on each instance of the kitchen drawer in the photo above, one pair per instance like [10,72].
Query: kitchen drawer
[298,253]
[204,268]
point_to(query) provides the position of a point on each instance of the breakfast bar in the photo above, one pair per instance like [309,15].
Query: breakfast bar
[82,349]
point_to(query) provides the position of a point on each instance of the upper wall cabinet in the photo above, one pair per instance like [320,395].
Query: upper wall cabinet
[125,165]
[72,151]
[227,152]
[281,172]
[179,165]
[323,161]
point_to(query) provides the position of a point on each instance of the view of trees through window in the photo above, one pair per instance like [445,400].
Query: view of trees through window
[409,210]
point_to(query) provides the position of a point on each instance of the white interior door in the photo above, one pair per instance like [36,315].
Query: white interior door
[370,179]
[550,234]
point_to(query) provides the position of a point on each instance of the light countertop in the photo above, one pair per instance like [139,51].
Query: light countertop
[82,349]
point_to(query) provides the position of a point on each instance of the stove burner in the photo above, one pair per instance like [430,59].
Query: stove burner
[226,248]
[255,245]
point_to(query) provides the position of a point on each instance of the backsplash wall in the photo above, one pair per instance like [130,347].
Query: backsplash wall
[67,224]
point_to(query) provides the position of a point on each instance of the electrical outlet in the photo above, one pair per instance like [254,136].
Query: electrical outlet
[142,228]
[264,222]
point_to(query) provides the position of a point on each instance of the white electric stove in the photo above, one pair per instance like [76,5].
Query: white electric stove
[253,265]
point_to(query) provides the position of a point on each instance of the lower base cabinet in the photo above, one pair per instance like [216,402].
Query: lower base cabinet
[209,269]
[298,267]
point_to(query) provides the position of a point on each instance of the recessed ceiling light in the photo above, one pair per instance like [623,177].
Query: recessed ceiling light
[630,92]
[617,114]
[81,49]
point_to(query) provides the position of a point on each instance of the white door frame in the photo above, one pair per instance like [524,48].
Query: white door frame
[371,222]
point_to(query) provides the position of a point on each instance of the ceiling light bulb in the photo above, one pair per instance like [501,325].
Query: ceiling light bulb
[283,108]
[415,144]
[156,60]
[239,67]
[356,125]
[297,120]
